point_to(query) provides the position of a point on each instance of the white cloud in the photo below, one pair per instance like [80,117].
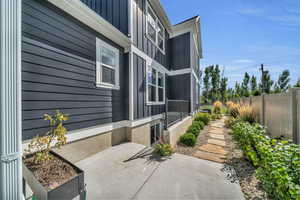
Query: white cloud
[290,20]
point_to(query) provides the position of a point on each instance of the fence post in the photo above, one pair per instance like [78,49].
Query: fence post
[295,120]
[263,109]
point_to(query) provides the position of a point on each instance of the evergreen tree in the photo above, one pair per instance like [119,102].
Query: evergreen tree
[266,86]
[215,82]
[245,85]
[282,84]
[253,84]
[207,84]
[223,89]
[238,91]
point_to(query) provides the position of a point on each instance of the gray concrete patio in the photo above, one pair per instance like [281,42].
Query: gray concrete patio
[181,177]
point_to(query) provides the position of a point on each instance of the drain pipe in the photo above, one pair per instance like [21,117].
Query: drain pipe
[10,100]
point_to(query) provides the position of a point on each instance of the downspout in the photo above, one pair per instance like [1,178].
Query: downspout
[10,100]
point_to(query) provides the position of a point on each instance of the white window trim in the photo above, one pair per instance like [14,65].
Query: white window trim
[100,44]
[157,102]
[156,29]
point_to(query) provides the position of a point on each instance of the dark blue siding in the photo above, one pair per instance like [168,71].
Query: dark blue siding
[180,52]
[59,72]
[179,87]
[141,110]
[140,38]
[114,11]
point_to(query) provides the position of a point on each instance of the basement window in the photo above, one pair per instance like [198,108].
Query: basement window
[155,29]
[155,133]
[155,86]
[107,67]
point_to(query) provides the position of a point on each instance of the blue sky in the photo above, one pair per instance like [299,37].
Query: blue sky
[242,34]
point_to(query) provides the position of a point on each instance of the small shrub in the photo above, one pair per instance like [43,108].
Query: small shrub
[204,117]
[163,150]
[231,121]
[41,145]
[199,124]
[256,93]
[194,129]
[246,113]
[217,107]
[188,139]
[216,116]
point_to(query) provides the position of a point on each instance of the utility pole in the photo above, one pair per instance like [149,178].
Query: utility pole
[262,78]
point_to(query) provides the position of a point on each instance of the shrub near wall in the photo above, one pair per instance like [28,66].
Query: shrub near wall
[278,162]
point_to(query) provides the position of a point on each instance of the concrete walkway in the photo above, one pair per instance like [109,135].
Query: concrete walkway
[214,149]
[180,177]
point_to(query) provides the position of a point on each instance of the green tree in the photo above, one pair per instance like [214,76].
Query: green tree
[253,84]
[267,84]
[207,84]
[245,85]
[215,82]
[282,84]
[238,90]
[223,89]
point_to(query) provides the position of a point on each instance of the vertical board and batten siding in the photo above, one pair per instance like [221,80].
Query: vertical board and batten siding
[141,109]
[59,72]
[180,51]
[140,38]
[114,11]
[179,87]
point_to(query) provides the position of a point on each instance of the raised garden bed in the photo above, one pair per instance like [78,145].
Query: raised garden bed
[57,179]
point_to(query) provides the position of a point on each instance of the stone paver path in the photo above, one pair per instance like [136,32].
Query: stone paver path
[214,148]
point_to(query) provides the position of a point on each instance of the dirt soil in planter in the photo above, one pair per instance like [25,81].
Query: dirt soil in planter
[52,173]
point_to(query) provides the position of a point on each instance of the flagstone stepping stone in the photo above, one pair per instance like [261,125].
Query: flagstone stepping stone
[217,136]
[217,142]
[209,156]
[211,148]
[215,131]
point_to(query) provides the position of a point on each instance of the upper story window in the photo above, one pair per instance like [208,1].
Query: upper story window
[155,29]
[107,67]
[155,86]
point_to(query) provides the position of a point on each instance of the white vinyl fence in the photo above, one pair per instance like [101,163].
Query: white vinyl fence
[279,113]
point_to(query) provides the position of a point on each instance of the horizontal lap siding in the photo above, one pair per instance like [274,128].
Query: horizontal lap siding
[114,11]
[58,72]
[180,52]
[140,38]
[141,110]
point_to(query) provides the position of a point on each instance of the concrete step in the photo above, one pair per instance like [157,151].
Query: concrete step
[216,142]
[211,148]
[209,156]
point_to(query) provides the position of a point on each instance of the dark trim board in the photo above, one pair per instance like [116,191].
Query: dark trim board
[59,72]
[141,109]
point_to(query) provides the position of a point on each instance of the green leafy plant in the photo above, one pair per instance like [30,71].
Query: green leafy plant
[163,149]
[40,146]
[195,128]
[188,139]
[204,117]
[229,122]
[277,161]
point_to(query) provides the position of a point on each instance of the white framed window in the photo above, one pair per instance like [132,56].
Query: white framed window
[155,86]
[155,29]
[107,66]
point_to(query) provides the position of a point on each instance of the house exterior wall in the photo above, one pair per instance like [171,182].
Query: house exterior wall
[58,72]
[179,87]
[180,52]
[139,36]
[141,109]
[114,11]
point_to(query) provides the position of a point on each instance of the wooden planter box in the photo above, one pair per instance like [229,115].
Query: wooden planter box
[67,191]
